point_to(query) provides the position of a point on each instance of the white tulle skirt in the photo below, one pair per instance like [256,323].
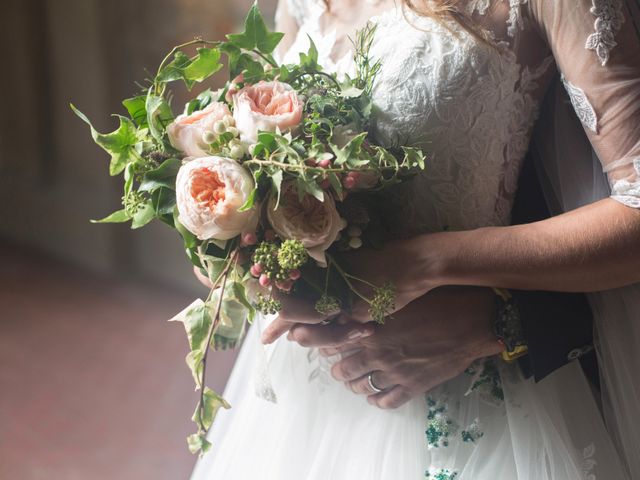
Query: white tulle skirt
[486,424]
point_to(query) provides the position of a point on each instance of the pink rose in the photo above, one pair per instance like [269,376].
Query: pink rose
[209,193]
[187,131]
[316,224]
[266,106]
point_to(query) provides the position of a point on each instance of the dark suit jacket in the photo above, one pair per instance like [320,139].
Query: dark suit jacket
[558,326]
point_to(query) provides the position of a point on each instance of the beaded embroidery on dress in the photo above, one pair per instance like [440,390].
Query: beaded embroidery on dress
[473,107]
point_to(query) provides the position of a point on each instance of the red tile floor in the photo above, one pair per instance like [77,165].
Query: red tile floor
[92,378]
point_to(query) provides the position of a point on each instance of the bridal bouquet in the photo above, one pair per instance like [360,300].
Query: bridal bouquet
[264,180]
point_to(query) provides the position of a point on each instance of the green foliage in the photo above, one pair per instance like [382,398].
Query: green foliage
[120,144]
[256,35]
[116,217]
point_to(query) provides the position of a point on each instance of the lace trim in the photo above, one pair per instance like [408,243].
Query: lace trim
[581,105]
[627,193]
[515,21]
[589,462]
[480,6]
[609,20]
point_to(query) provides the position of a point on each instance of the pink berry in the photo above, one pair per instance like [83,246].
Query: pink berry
[294,275]
[249,238]
[326,163]
[255,270]
[325,184]
[269,235]
[238,79]
[264,280]
[349,182]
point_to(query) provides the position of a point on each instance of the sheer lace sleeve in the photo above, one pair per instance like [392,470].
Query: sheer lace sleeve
[596,45]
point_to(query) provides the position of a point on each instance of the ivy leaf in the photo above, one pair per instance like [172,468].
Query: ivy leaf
[194,362]
[197,322]
[351,91]
[174,70]
[163,176]
[198,443]
[136,107]
[159,116]
[251,200]
[309,60]
[204,65]
[199,103]
[414,157]
[256,34]
[116,217]
[211,405]
[163,201]
[276,179]
[347,153]
[190,240]
[312,188]
[120,144]
[144,215]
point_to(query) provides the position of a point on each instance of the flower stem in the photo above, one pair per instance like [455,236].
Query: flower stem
[346,276]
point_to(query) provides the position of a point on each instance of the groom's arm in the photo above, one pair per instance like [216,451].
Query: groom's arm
[558,327]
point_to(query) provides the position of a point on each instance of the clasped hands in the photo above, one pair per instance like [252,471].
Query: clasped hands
[430,339]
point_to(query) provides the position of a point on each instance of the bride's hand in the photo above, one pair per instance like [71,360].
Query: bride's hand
[294,310]
[401,263]
[430,341]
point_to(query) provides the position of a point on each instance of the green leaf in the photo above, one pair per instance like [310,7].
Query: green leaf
[204,65]
[312,188]
[163,201]
[197,323]
[200,102]
[159,116]
[276,179]
[137,110]
[190,240]
[120,144]
[198,443]
[194,362]
[129,174]
[211,405]
[351,91]
[414,157]
[251,200]
[351,149]
[174,70]
[256,34]
[309,60]
[143,216]
[116,217]
[163,176]
[335,182]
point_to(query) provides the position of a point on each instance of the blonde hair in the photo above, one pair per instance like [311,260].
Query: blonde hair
[443,11]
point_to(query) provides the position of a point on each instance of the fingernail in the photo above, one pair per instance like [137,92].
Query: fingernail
[355,334]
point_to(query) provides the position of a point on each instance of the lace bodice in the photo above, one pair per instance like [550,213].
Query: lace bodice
[471,105]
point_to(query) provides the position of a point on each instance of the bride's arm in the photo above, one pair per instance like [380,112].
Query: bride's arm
[596,247]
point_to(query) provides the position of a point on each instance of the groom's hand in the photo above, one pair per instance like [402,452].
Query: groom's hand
[430,341]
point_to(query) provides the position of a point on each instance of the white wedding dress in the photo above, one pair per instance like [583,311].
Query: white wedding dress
[472,106]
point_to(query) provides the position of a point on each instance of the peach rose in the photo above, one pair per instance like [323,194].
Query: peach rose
[209,193]
[316,224]
[266,106]
[186,132]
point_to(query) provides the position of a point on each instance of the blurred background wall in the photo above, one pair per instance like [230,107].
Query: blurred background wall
[82,306]
[52,177]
